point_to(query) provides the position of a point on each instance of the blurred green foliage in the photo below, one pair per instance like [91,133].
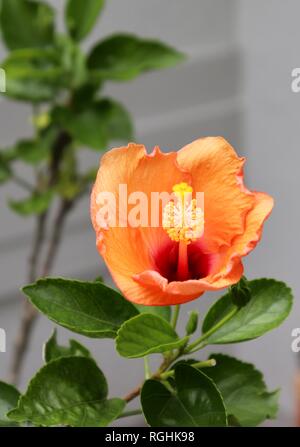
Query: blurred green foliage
[63,83]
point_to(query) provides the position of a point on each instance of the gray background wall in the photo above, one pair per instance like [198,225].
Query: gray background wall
[235,83]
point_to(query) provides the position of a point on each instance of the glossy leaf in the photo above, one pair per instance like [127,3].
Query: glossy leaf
[81,16]
[244,391]
[195,402]
[124,56]
[35,204]
[26,23]
[270,304]
[68,391]
[88,308]
[96,125]
[9,397]
[53,351]
[146,334]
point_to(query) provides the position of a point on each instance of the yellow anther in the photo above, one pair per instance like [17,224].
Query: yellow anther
[182,219]
[182,188]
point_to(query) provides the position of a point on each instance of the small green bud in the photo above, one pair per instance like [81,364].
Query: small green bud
[99,279]
[240,292]
[192,323]
[42,120]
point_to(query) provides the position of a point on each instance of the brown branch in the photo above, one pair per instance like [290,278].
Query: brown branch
[135,392]
[63,140]
[55,240]
[21,343]
[37,243]
[29,314]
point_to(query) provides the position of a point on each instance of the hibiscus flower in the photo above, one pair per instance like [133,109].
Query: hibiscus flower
[176,261]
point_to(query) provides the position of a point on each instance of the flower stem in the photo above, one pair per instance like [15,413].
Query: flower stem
[205,364]
[163,367]
[162,372]
[194,346]
[175,316]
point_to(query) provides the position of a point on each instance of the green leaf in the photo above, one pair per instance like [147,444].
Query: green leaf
[26,23]
[81,16]
[196,401]
[146,334]
[72,60]
[51,69]
[32,151]
[53,351]
[124,56]
[9,397]
[29,151]
[117,120]
[38,203]
[95,126]
[88,308]
[270,304]
[244,391]
[68,391]
[29,90]
[5,171]
[7,155]
[33,74]
[161,311]
[84,95]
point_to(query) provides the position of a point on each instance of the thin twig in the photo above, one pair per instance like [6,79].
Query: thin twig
[55,240]
[37,243]
[133,394]
[29,313]
[21,343]
[63,140]
[163,367]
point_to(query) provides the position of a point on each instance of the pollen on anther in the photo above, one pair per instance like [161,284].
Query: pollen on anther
[183,220]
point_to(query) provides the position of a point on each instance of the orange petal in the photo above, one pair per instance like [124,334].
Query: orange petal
[234,218]
[128,251]
[227,265]
[154,290]
[217,172]
[246,242]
